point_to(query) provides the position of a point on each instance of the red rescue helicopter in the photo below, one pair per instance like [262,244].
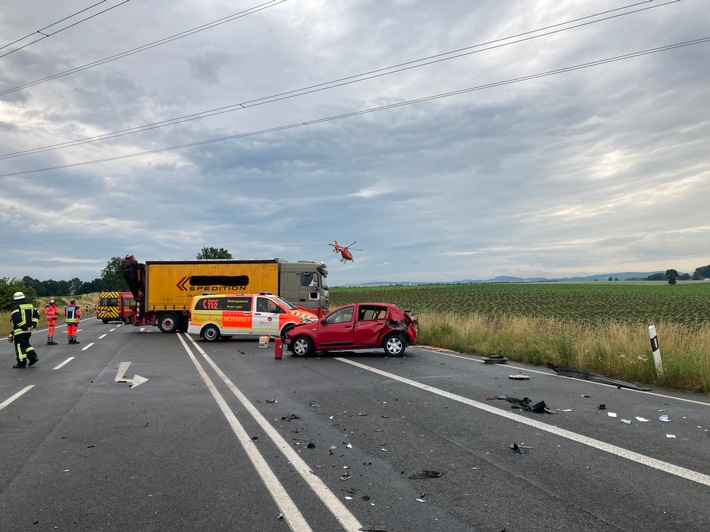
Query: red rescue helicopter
[344,251]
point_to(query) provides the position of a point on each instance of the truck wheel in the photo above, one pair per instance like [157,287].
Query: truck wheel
[168,322]
[393,345]
[210,333]
[105,320]
[303,346]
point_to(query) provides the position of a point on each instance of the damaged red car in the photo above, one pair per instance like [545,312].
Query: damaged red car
[356,326]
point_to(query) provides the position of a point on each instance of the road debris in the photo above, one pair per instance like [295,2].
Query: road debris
[611,414]
[664,418]
[585,374]
[520,449]
[670,436]
[601,406]
[290,417]
[426,473]
[524,404]
[641,419]
[519,377]
[495,359]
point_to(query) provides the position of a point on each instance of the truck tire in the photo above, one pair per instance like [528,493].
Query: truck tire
[168,322]
[394,345]
[104,320]
[210,333]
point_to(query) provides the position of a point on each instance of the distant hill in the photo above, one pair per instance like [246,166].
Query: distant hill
[622,276]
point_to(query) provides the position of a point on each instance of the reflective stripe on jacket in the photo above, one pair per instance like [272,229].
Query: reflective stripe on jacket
[23,317]
[72,313]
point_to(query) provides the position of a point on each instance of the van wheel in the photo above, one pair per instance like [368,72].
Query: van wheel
[168,322]
[285,330]
[303,346]
[210,333]
[393,345]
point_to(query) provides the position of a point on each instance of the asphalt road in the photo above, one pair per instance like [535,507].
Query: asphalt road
[222,436]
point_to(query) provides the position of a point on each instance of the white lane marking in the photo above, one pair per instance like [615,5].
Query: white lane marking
[102,336]
[337,508]
[288,508]
[137,380]
[678,471]
[87,346]
[113,329]
[548,374]
[60,366]
[16,396]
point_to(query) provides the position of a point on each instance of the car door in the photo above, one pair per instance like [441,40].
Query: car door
[266,316]
[369,326]
[336,330]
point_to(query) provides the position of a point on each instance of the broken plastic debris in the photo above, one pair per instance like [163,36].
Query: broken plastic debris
[272,401]
[426,473]
[567,410]
[602,406]
[641,419]
[627,421]
[670,435]
[495,359]
[519,377]
[585,374]
[611,414]
[664,418]
[520,449]
[420,500]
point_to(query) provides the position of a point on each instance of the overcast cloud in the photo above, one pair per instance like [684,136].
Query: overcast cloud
[594,170]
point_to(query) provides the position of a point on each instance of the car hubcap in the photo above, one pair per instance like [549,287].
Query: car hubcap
[394,346]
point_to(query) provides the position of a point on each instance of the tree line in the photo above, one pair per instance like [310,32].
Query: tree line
[111,280]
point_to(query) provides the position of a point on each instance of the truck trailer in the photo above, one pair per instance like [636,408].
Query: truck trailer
[163,290]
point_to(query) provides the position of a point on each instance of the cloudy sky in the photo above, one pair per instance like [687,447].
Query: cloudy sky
[452,140]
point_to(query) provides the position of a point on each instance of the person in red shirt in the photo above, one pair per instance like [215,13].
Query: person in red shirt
[51,312]
[72,314]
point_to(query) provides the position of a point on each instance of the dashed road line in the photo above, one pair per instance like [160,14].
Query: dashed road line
[60,366]
[19,394]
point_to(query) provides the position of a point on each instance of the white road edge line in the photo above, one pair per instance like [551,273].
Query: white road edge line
[16,396]
[288,508]
[336,507]
[547,374]
[678,471]
[60,366]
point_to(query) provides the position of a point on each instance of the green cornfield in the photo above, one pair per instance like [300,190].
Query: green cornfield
[601,326]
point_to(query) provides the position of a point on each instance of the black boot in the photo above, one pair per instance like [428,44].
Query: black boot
[33,360]
[20,365]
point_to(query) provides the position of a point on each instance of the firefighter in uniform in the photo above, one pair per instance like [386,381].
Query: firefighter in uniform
[51,312]
[24,317]
[72,313]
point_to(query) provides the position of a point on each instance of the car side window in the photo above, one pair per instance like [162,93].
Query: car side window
[371,313]
[341,316]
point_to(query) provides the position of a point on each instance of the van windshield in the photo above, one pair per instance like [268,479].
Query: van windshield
[285,303]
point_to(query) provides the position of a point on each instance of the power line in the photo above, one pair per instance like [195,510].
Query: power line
[165,40]
[372,109]
[437,58]
[43,31]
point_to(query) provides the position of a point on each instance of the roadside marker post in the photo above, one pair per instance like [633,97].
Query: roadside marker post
[656,350]
[278,348]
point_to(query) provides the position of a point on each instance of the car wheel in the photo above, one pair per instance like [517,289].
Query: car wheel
[303,346]
[393,345]
[210,333]
[168,323]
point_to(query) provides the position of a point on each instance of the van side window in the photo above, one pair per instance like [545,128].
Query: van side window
[264,304]
[236,303]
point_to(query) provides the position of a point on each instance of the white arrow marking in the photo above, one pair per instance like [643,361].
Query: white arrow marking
[137,380]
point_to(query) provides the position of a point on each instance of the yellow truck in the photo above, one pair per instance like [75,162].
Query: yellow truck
[163,290]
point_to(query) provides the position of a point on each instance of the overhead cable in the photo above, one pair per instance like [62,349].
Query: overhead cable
[44,33]
[357,78]
[371,109]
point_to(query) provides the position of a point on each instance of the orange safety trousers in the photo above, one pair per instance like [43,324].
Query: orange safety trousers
[71,329]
